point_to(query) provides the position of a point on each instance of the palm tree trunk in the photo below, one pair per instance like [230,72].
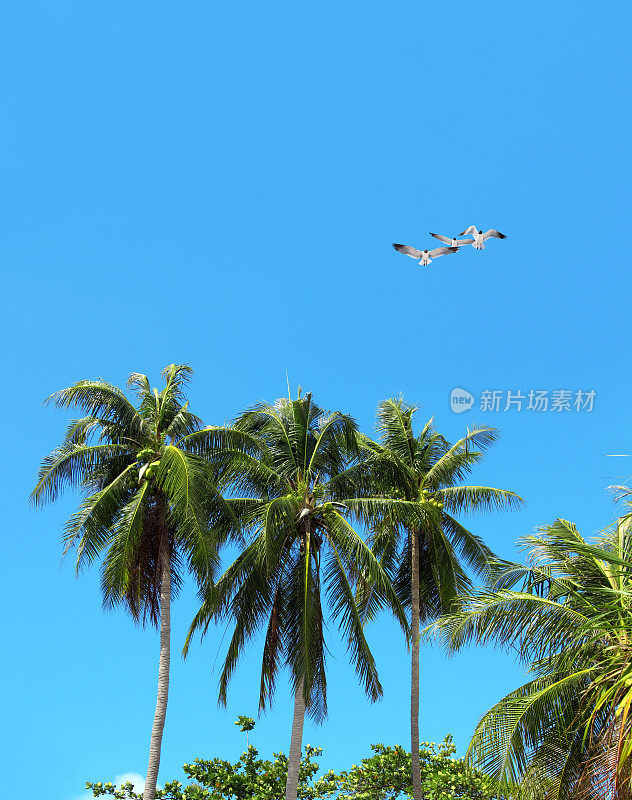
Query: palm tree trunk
[414,684]
[163,672]
[294,761]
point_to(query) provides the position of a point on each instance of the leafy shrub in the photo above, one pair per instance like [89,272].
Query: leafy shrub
[386,775]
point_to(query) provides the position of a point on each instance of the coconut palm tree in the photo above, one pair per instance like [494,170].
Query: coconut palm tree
[146,508]
[415,536]
[567,732]
[282,460]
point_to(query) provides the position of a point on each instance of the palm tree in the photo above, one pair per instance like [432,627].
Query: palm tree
[283,461]
[415,536]
[567,732]
[146,508]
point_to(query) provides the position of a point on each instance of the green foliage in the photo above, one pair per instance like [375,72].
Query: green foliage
[416,482]
[410,485]
[249,777]
[284,463]
[567,732]
[145,491]
[386,775]
[245,723]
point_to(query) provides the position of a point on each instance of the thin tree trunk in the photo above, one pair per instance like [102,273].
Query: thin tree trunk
[163,673]
[414,684]
[294,761]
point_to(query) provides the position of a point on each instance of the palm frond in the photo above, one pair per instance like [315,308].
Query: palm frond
[458,460]
[92,524]
[479,498]
[344,608]
[97,398]
[126,576]
[396,428]
[68,465]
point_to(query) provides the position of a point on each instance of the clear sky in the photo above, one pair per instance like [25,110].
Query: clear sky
[220,184]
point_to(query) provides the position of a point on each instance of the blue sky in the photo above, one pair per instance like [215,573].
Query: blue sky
[220,184]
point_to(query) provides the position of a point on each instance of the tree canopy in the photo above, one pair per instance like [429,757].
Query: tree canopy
[567,732]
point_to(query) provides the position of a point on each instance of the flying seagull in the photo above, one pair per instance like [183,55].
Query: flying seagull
[452,242]
[480,238]
[424,256]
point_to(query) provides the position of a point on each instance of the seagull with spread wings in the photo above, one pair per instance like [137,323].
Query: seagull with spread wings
[479,237]
[424,256]
[452,242]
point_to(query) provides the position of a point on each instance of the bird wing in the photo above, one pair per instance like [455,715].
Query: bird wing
[442,251]
[472,229]
[444,239]
[463,242]
[407,250]
[492,233]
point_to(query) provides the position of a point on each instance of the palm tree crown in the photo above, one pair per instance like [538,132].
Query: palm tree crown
[415,482]
[132,467]
[567,732]
[283,461]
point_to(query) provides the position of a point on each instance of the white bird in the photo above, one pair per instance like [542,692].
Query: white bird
[452,242]
[480,238]
[424,256]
